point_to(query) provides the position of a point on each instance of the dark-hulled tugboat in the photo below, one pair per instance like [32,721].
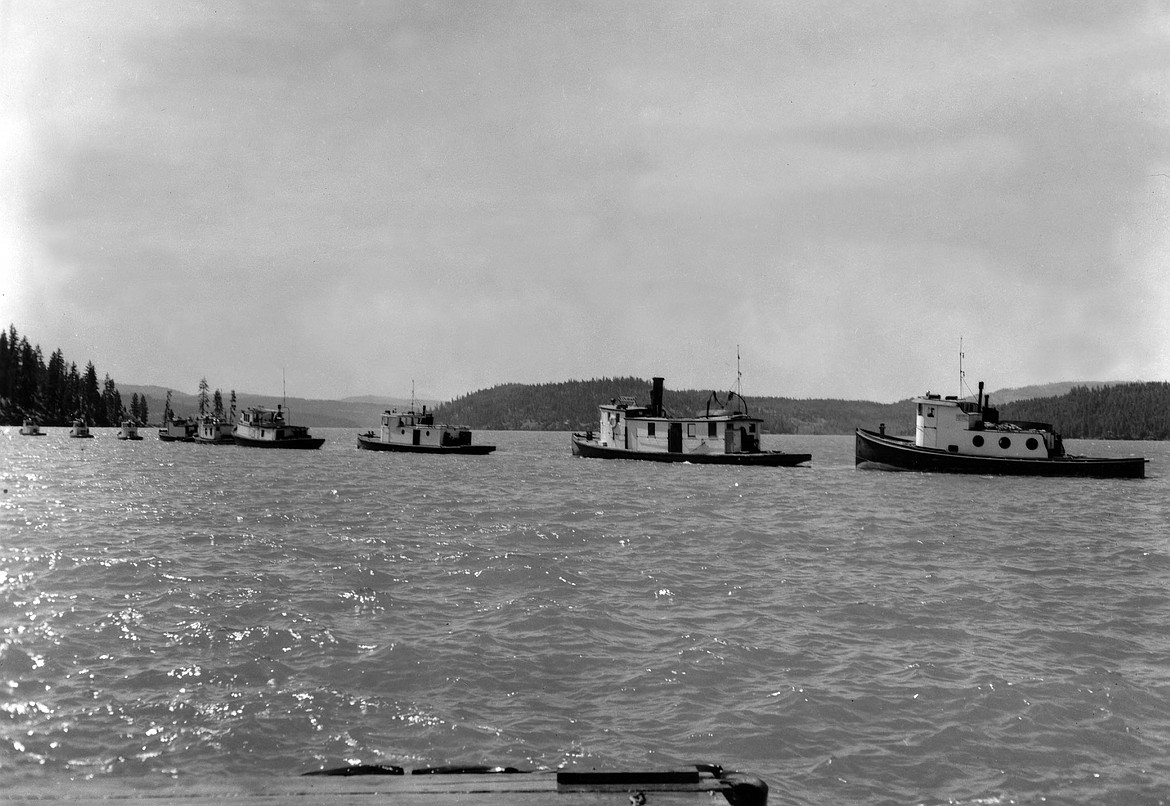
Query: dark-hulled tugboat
[724,434]
[266,428]
[967,436]
[414,432]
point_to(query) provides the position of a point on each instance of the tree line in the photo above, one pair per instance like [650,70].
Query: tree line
[1123,411]
[57,392]
[572,405]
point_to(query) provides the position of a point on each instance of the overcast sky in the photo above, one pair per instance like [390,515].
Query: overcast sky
[462,194]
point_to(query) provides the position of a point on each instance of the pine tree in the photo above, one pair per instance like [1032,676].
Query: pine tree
[112,412]
[203,399]
[91,396]
[54,396]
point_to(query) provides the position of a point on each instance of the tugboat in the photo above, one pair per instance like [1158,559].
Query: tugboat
[266,428]
[80,430]
[413,432]
[721,435]
[214,430]
[967,436]
[177,429]
[129,430]
[31,428]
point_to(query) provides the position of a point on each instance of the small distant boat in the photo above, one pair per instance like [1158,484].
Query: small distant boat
[416,432]
[724,434]
[79,430]
[129,430]
[214,430]
[176,429]
[266,428]
[31,428]
[967,436]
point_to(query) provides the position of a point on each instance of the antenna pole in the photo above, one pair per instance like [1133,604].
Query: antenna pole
[962,378]
[738,374]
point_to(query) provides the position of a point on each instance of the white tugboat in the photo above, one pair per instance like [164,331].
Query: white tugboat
[177,429]
[129,430]
[967,436]
[214,430]
[266,428]
[31,428]
[80,430]
[416,432]
[723,434]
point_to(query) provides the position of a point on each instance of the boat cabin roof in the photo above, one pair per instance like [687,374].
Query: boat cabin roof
[644,412]
[968,406]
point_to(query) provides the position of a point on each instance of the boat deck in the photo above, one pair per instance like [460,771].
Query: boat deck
[694,787]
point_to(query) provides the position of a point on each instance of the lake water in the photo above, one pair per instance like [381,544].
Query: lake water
[861,637]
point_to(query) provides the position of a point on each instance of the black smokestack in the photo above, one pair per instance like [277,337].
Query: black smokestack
[656,398]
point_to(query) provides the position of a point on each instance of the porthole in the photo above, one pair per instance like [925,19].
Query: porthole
[1005,443]
[977,441]
[1032,443]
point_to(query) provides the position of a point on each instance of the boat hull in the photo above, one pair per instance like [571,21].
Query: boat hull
[302,443]
[375,444]
[877,451]
[591,449]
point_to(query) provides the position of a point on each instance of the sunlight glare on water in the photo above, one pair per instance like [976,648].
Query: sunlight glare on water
[850,636]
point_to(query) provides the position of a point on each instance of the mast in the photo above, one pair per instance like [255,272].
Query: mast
[962,378]
[738,375]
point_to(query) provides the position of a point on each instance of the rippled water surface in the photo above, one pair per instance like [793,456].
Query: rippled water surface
[850,636]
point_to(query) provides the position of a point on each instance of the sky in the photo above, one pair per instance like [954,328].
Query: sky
[342,198]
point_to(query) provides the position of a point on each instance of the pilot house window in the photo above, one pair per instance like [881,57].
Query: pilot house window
[712,430]
[649,429]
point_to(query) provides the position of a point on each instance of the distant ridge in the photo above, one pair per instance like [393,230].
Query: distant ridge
[387,401]
[1048,390]
[353,412]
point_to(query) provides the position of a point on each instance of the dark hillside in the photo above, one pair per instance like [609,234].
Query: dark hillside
[1125,411]
[572,405]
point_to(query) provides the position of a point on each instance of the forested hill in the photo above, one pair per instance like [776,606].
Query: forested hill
[572,405]
[1124,411]
[1121,411]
